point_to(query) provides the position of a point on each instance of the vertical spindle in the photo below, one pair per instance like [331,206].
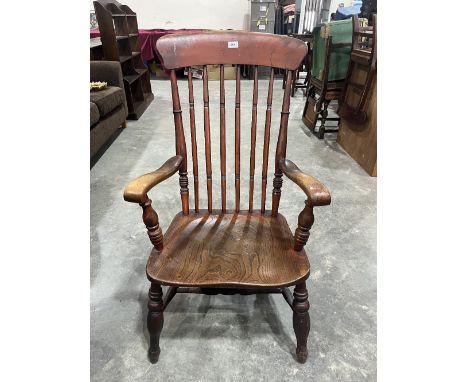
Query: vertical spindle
[180,143]
[206,120]
[281,145]
[222,137]
[237,139]
[253,138]
[193,136]
[266,139]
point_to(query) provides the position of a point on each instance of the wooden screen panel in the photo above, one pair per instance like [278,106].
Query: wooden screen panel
[228,47]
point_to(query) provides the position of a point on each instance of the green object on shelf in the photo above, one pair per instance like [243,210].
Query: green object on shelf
[341,32]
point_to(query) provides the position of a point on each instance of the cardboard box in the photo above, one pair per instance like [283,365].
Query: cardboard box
[213,72]
[158,70]
[229,72]
[197,72]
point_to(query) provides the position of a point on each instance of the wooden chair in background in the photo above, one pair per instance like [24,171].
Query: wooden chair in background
[326,92]
[219,250]
[361,72]
[325,87]
[305,65]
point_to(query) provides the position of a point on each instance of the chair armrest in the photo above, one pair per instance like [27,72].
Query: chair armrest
[136,190]
[317,193]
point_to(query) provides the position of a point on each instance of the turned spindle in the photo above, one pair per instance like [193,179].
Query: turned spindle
[184,191]
[304,223]
[276,195]
[151,220]
[281,145]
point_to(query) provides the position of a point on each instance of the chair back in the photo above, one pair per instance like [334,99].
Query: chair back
[238,48]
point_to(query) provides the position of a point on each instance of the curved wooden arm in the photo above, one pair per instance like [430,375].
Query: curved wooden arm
[136,190]
[317,193]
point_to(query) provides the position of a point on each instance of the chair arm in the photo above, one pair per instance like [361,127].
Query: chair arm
[317,193]
[136,190]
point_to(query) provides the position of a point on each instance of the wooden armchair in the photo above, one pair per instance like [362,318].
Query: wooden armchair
[304,66]
[361,72]
[326,82]
[218,250]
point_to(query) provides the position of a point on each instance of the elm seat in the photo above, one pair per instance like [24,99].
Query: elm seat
[108,100]
[228,250]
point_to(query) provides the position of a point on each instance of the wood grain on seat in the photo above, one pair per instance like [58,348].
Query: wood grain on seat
[229,250]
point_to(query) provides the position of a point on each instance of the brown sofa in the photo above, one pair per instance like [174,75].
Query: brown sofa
[108,107]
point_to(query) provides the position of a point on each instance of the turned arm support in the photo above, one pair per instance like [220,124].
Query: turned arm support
[136,192]
[317,195]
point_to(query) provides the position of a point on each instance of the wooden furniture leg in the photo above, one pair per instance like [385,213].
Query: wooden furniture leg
[306,81]
[301,320]
[155,320]
[295,76]
[324,114]
[312,93]
[124,124]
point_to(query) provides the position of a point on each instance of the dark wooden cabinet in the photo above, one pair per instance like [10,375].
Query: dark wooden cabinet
[119,36]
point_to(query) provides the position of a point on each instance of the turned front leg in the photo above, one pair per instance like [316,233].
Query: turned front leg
[304,224]
[151,220]
[301,320]
[155,320]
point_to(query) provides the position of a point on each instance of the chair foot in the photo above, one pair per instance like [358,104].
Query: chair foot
[155,320]
[321,132]
[154,355]
[324,113]
[124,124]
[301,321]
[302,355]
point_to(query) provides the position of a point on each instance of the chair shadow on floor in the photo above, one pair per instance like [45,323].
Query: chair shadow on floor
[185,316]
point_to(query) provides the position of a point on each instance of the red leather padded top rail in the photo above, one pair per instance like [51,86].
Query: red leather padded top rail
[227,47]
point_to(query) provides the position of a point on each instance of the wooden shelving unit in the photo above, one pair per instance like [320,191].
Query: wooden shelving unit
[119,36]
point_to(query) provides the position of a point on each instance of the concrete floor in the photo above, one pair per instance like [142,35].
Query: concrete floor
[232,338]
